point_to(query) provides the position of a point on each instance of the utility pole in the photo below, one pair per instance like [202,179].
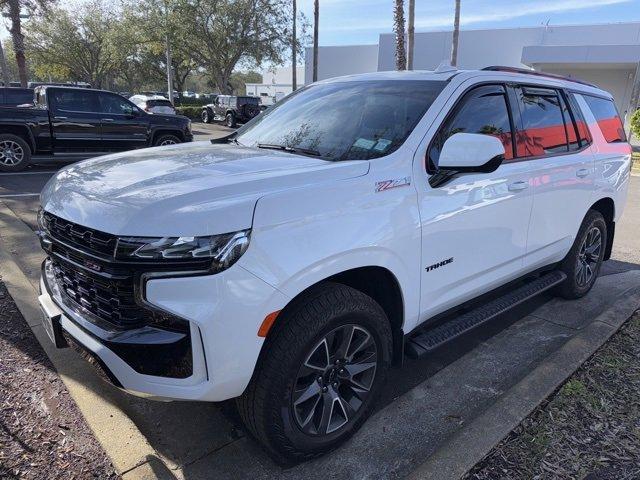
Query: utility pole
[294,48]
[316,18]
[411,34]
[168,47]
[456,35]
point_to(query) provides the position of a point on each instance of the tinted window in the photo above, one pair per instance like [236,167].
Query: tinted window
[543,124]
[607,117]
[115,104]
[18,96]
[344,120]
[481,110]
[581,125]
[74,100]
[159,103]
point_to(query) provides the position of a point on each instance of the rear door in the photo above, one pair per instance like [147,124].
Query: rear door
[75,121]
[563,185]
[124,126]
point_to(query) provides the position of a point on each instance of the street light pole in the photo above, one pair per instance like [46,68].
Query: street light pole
[168,47]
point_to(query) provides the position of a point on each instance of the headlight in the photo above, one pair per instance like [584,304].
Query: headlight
[223,250]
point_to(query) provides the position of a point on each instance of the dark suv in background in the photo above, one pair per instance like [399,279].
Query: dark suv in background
[70,123]
[231,109]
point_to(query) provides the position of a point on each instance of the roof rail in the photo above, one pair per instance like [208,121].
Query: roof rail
[499,68]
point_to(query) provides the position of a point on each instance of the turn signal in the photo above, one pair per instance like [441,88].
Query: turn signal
[267,322]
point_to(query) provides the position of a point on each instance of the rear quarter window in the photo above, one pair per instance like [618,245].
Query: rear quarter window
[606,114]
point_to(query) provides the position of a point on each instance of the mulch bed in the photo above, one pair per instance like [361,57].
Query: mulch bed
[589,429]
[42,433]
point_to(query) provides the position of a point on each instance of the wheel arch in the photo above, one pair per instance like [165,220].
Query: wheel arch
[377,282]
[606,206]
[166,131]
[21,131]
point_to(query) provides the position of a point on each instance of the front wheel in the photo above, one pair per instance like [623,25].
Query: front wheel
[582,263]
[320,373]
[230,120]
[205,116]
[15,154]
[166,140]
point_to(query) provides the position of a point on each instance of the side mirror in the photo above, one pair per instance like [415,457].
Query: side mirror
[471,152]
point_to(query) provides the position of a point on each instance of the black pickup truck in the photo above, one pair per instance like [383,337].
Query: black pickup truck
[68,123]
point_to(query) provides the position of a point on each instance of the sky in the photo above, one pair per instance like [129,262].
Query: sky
[348,22]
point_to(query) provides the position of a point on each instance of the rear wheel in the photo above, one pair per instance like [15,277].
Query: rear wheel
[230,120]
[205,116]
[582,263]
[321,371]
[167,139]
[15,154]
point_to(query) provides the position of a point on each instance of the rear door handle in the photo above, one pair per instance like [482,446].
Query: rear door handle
[583,172]
[107,119]
[59,118]
[518,186]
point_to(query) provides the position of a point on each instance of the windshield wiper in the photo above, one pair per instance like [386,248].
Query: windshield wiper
[285,148]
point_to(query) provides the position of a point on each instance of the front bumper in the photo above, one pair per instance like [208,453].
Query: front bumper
[224,312]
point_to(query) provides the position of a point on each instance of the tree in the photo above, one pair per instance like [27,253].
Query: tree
[221,34]
[411,34]
[398,27]
[316,18]
[456,35]
[239,81]
[89,45]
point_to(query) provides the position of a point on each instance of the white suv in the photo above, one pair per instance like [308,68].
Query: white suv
[291,262]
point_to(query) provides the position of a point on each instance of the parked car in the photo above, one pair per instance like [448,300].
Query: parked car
[358,220]
[14,96]
[231,109]
[71,123]
[153,104]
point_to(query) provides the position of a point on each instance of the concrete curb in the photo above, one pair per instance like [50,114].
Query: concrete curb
[125,445]
[472,443]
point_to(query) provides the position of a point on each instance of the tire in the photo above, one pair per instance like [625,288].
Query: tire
[15,153]
[206,118]
[582,263]
[230,120]
[292,362]
[166,139]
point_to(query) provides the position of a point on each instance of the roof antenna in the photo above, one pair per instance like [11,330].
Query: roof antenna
[445,66]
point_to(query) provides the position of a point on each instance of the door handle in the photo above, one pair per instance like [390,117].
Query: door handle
[59,118]
[106,119]
[583,172]
[518,186]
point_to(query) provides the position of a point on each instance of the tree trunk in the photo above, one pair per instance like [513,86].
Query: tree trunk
[398,27]
[316,16]
[3,65]
[18,40]
[456,35]
[294,48]
[411,34]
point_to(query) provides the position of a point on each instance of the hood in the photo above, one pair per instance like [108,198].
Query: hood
[182,190]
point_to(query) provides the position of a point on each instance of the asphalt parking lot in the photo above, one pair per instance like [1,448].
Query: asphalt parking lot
[425,402]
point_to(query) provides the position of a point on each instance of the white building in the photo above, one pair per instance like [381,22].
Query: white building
[607,55]
[276,83]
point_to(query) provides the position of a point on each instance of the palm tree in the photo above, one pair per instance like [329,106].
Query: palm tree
[398,27]
[316,15]
[456,35]
[411,34]
[294,47]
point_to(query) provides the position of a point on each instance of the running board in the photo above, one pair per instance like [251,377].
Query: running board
[428,340]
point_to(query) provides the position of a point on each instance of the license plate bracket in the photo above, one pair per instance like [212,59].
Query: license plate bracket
[51,325]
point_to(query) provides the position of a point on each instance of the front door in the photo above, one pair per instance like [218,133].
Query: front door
[75,121]
[124,126]
[474,227]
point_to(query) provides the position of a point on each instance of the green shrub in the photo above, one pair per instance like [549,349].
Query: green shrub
[635,123]
[192,112]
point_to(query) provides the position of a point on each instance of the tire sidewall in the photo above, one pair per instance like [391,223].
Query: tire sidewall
[205,116]
[230,120]
[593,220]
[286,421]
[26,159]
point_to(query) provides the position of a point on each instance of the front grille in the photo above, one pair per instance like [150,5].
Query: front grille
[86,239]
[112,300]
[90,277]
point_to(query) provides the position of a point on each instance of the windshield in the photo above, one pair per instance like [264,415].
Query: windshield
[344,120]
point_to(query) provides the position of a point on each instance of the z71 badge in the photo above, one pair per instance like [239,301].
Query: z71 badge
[395,183]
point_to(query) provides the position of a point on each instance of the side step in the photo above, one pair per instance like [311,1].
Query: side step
[428,340]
